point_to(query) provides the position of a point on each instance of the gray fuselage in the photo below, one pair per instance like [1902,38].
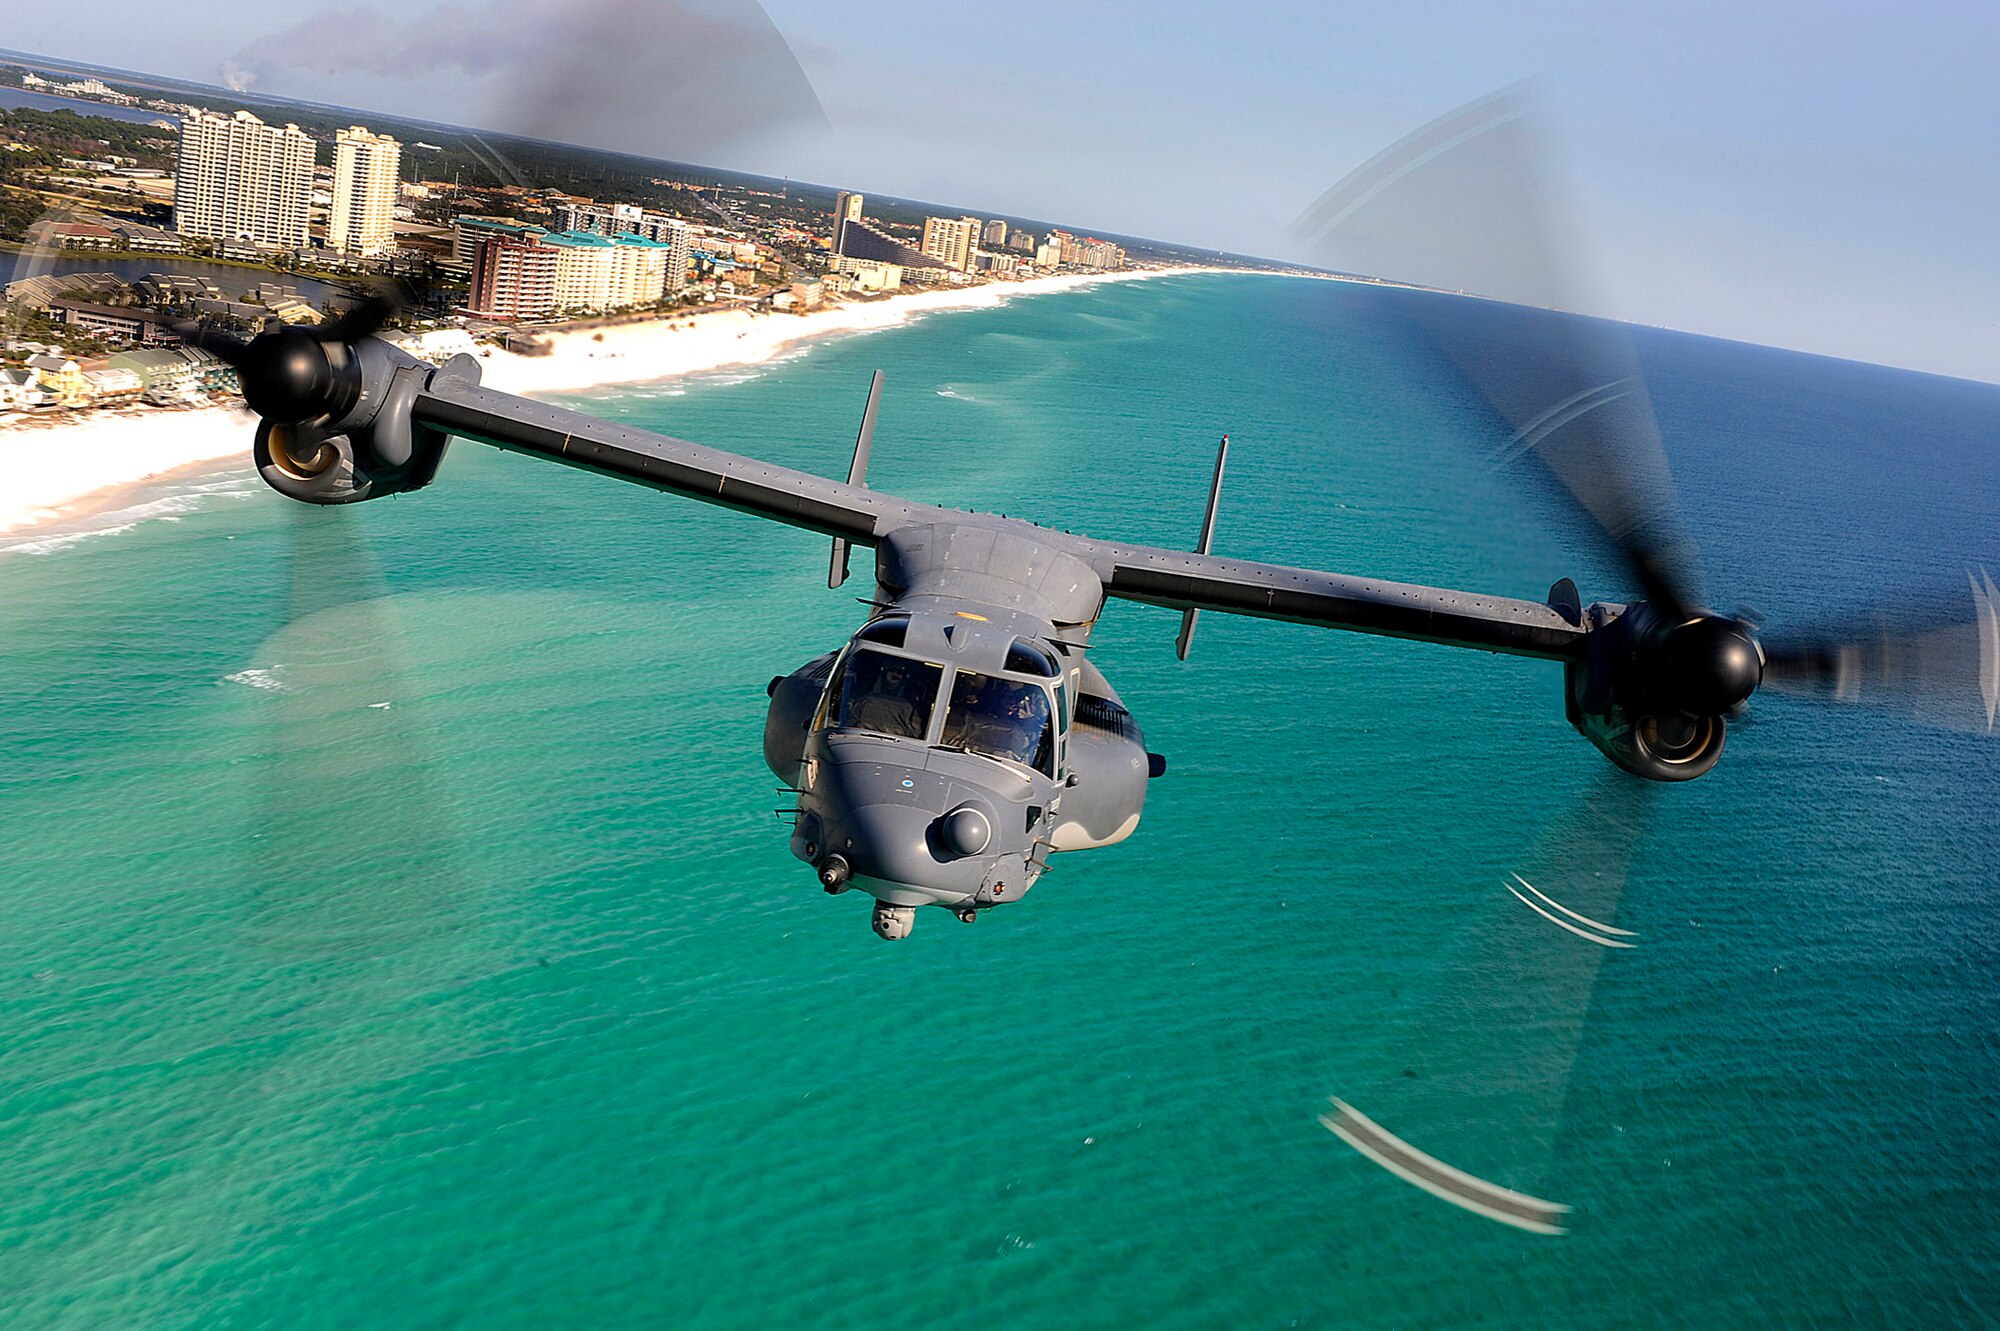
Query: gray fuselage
[960,737]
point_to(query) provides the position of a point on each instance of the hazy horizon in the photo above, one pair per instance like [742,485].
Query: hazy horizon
[1793,178]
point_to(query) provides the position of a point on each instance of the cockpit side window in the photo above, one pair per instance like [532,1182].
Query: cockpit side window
[889,630]
[1001,718]
[890,695]
[1030,658]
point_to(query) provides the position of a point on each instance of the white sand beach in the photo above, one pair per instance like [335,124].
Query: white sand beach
[53,470]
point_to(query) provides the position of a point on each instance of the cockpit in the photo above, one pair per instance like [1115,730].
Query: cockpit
[1018,714]
[1000,718]
[888,694]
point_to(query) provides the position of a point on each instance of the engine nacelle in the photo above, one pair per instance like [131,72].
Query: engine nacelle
[1612,699]
[794,699]
[372,448]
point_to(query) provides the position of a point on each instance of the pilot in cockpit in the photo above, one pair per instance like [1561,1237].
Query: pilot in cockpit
[999,718]
[1023,716]
[886,706]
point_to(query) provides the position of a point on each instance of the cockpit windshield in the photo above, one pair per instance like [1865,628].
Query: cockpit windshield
[1001,718]
[890,695]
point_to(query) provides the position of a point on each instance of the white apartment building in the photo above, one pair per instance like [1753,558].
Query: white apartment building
[364,193]
[242,180]
[628,219]
[868,274]
[952,242]
[595,272]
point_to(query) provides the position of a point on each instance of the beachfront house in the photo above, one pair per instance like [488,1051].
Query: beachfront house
[61,379]
[19,390]
[173,375]
[109,387]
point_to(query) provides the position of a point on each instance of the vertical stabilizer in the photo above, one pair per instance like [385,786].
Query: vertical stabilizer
[1188,617]
[857,473]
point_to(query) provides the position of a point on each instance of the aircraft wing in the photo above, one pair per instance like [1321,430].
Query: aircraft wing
[396,424]
[1184,580]
[1174,578]
[518,425]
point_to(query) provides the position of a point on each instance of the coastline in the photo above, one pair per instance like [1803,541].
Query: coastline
[54,473]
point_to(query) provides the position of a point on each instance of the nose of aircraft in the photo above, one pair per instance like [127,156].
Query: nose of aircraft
[888,846]
[887,821]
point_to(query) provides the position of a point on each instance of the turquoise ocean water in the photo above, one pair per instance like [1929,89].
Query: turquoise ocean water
[503,1004]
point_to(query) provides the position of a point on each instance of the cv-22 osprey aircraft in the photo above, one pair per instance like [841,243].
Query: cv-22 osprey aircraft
[962,735]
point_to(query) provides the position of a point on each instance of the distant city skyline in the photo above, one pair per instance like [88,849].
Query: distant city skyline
[1809,177]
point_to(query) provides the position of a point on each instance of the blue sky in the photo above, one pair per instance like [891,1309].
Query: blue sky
[1818,176]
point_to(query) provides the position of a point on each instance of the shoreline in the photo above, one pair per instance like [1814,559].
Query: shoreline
[107,455]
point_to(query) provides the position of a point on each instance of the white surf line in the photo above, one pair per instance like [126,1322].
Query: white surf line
[1562,923]
[1439,1179]
[1598,925]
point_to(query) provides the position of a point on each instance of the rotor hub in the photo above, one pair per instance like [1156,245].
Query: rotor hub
[1709,665]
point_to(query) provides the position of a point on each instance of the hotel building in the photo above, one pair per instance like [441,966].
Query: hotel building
[242,180]
[846,208]
[950,241]
[628,219]
[364,193]
[513,276]
[524,272]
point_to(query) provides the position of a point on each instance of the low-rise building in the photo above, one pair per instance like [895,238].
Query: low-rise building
[109,387]
[60,379]
[170,375]
[151,239]
[37,292]
[164,289]
[53,234]
[20,389]
[869,274]
[293,310]
[125,323]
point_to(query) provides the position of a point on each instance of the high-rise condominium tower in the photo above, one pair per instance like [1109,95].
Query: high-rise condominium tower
[364,192]
[243,180]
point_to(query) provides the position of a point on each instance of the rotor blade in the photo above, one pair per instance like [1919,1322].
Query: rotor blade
[226,347]
[344,763]
[1947,673]
[384,301]
[1467,205]
[1571,393]
[1494,1048]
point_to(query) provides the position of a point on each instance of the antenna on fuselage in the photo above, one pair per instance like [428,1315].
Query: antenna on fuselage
[857,472]
[1188,617]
